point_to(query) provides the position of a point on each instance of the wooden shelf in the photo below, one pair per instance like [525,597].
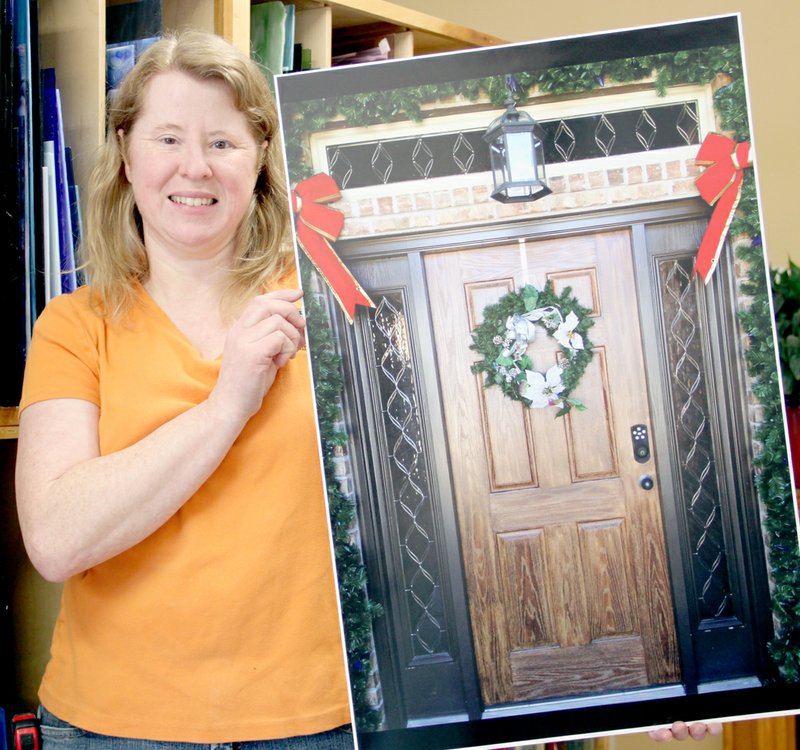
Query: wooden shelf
[431,34]
[319,23]
[9,422]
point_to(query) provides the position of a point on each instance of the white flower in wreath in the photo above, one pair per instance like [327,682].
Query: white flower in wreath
[542,390]
[566,335]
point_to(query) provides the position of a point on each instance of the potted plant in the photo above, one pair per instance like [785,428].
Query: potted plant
[786,298]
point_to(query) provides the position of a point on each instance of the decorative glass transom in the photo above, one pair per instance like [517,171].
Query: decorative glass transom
[565,140]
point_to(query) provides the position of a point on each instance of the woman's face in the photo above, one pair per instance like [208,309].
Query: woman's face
[192,162]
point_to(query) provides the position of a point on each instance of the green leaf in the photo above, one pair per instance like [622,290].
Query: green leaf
[530,297]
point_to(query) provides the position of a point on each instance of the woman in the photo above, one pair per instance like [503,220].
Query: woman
[167,467]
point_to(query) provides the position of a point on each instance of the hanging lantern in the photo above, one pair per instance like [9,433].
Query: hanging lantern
[517,156]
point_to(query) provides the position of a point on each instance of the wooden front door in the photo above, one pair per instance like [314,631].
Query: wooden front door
[563,548]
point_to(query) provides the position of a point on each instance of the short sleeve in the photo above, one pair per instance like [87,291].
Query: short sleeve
[63,357]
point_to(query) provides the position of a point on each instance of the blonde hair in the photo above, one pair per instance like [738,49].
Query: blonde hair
[112,251]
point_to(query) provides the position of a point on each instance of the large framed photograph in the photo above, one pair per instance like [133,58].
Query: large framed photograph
[547,387]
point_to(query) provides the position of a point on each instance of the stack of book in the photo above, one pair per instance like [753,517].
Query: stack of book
[131,27]
[41,217]
[20,187]
[60,201]
[272,39]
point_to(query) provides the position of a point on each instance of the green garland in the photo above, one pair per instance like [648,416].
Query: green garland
[507,329]
[668,69]
[771,476]
[358,611]
[772,472]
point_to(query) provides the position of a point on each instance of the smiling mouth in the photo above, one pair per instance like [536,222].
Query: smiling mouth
[184,201]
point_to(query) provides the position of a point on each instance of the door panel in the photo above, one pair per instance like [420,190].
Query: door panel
[563,550]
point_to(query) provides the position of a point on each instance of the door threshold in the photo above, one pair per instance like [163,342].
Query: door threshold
[740,683]
[584,701]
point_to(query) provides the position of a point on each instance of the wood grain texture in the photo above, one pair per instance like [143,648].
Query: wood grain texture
[560,505]
[505,428]
[470,474]
[523,565]
[560,544]
[583,285]
[568,589]
[647,548]
[590,433]
[604,665]
[606,564]
[9,422]
[777,733]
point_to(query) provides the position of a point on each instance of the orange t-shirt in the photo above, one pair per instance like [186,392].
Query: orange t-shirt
[222,625]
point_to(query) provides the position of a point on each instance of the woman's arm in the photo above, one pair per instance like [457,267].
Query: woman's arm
[78,508]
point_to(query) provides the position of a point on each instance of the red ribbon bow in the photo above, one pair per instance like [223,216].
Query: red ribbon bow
[720,183]
[317,225]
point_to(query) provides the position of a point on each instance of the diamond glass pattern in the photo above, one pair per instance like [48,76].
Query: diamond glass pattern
[571,139]
[422,158]
[646,130]
[408,475]
[381,163]
[688,124]
[463,154]
[695,440]
[564,141]
[340,168]
[605,135]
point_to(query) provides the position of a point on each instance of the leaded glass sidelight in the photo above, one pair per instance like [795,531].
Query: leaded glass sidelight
[699,482]
[407,474]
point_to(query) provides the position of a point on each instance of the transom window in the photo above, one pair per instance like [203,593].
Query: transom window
[389,161]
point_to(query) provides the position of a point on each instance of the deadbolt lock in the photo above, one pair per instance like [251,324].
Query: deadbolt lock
[641,443]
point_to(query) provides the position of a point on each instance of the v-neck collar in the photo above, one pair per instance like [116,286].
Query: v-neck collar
[149,304]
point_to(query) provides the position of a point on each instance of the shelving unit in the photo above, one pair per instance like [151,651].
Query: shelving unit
[323,25]
[72,36]
[72,40]
[9,421]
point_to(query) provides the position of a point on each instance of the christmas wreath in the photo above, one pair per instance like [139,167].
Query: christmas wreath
[508,328]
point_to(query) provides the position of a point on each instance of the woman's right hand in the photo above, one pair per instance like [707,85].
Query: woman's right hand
[267,334]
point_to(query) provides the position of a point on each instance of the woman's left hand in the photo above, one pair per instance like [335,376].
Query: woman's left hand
[682,731]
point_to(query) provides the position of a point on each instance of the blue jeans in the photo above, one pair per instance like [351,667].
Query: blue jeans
[60,735]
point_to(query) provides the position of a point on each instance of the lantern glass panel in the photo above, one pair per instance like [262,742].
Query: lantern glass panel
[497,158]
[520,156]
